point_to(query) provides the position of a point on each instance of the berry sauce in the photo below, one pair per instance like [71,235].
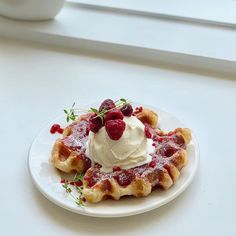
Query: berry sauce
[78,137]
[76,141]
[166,145]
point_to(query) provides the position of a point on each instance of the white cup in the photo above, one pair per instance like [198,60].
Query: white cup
[31,9]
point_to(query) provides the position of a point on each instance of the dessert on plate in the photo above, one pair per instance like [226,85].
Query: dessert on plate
[119,151]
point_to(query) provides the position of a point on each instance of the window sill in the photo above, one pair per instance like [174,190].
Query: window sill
[136,36]
[211,12]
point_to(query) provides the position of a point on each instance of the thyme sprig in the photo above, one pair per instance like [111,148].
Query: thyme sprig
[70,115]
[78,176]
[68,187]
[118,104]
[73,113]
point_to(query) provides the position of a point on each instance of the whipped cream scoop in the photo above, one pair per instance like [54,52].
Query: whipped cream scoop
[131,150]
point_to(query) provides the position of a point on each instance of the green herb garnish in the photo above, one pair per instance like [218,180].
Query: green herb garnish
[68,187]
[72,113]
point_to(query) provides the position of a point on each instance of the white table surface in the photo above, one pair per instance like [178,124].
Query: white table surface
[37,82]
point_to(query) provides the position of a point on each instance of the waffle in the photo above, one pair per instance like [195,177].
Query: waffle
[68,153]
[168,159]
[147,116]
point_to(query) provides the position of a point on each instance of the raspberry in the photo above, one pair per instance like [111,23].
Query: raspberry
[116,168]
[124,178]
[160,139]
[55,128]
[60,130]
[114,115]
[127,110]
[115,128]
[87,130]
[91,178]
[152,164]
[107,105]
[95,123]
[147,132]
[167,150]
[79,183]
[138,109]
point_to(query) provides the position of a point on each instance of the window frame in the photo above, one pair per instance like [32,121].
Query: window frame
[210,12]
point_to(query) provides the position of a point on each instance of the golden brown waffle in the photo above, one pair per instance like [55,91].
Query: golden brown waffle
[147,116]
[68,153]
[169,158]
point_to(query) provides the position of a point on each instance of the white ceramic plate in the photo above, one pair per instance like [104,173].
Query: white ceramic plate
[47,178]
